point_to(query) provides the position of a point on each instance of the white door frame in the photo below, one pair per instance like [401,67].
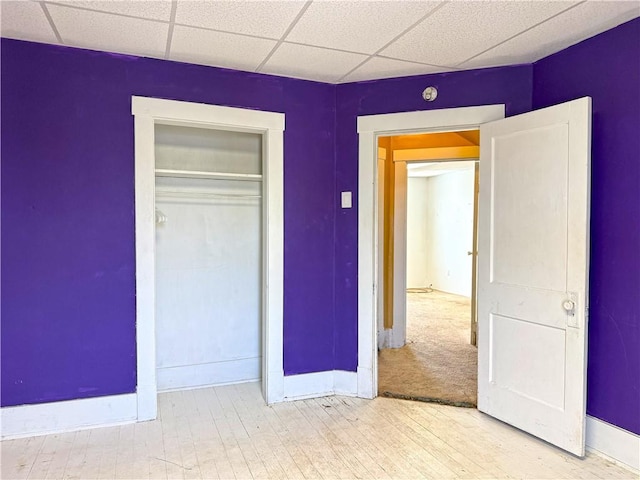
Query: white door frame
[147,113]
[371,127]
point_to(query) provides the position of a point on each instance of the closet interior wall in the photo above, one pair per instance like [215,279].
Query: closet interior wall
[208,256]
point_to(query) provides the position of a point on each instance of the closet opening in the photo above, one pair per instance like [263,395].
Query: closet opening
[211,159]
[208,256]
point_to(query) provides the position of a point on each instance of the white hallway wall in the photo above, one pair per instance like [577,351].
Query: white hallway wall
[440,231]
[417,225]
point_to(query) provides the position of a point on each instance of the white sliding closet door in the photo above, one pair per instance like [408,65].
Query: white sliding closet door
[208,258]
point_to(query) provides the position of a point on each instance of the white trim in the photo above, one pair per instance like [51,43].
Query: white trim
[174,112]
[308,385]
[320,384]
[345,383]
[369,129]
[148,112]
[613,442]
[397,337]
[57,417]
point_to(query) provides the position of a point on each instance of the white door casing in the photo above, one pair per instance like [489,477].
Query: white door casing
[370,127]
[147,112]
[533,243]
[396,336]
[398,333]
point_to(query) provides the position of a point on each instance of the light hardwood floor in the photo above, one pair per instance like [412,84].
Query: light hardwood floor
[228,432]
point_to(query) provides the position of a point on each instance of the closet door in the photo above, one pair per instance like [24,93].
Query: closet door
[208,258]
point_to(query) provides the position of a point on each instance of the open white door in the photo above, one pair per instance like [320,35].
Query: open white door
[533,271]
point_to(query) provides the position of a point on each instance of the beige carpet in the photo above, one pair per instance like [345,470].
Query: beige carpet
[437,364]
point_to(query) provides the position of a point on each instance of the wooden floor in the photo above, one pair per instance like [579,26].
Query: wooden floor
[228,432]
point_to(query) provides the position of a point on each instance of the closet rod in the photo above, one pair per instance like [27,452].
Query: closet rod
[249,177]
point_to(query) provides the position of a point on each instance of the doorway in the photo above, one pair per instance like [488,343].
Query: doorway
[370,128]
[149,112]
[427,206]
[523,320]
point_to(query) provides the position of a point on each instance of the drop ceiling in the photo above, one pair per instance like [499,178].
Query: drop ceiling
[327,41]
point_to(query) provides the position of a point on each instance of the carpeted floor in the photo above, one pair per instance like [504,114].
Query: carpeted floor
[437,364]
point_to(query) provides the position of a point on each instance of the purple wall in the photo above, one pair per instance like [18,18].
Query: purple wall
[509,85]
[607,68]
[68,305]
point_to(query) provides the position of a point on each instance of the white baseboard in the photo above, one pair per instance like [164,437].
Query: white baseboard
[205,374]
[308,385]
[320,384]
[367,383]
[71,415]
[613,442]
[345,383]
[391,338]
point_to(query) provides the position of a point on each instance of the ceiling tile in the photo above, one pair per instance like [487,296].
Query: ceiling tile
[219,49]
[25,21]
[312,63]
[111,33]
[260,18]
[151,9]
[569,28]
[462,29]
[358,26]
[378,67]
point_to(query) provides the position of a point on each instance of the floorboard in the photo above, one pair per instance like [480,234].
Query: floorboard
[228,432]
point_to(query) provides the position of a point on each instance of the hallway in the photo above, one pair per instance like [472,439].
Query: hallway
[437,363]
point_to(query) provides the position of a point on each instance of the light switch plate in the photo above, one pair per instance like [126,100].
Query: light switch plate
[346,199]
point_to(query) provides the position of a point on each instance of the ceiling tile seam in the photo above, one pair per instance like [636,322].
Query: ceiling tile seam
[172,19]
[521,32]
[302,11]
[416,62]
[326,48]
[115,14]
[155,20]
[407,30]
[51,23]
[260,37]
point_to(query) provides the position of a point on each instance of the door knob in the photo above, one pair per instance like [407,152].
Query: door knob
[569,306]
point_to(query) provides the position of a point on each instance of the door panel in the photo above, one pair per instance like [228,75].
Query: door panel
[530,169]
[541,357]
[533,271]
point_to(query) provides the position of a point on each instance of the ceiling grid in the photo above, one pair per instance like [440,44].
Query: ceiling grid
[330,41]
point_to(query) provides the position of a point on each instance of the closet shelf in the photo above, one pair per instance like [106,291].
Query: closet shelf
[185,194]
[250,177]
